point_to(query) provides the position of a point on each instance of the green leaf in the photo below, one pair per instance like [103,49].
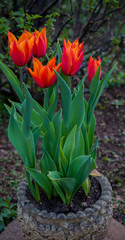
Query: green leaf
[77,109]
[65,98]
[85,136]
[63,162]
[46,163]
[81,82]
[91,130]
[86,186]
[27,112]
[79,149]
[9,109]
[13,80]
[99,92]
[41,179]
[59,52]
[70,143]
[64,186]
[16,136]
[53,102]
[94,86]
[48,124]
[57,121]
[25,146]
[80,169]
[36,133]
[94,150]
[30,184]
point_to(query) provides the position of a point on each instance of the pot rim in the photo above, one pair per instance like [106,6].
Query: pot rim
[104,200]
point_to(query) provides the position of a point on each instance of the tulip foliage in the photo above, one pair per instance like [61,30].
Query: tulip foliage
[67,135]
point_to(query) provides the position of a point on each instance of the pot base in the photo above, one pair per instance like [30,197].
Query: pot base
[90,224]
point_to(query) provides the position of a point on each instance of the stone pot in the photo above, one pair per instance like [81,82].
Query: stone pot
[90,224]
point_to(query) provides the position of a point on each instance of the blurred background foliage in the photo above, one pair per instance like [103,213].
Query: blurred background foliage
[100,24]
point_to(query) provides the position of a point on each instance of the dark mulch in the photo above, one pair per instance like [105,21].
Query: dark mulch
[78,203]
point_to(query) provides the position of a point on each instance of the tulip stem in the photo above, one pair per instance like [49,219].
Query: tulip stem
[21,77]
[69,82]
[46,99]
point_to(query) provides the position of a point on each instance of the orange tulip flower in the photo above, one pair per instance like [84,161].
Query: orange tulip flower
[92,67]
[44,76]
[72,57]
[40,43]
[20,50]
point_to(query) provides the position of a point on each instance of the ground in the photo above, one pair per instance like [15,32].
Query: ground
[110,128]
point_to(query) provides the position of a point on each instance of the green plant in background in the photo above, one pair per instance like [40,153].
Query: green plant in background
[50,27]
[24,20]
[8,212]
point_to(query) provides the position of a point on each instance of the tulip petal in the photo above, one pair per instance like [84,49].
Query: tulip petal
[17,54]
[81,48]
[45,75]
[28,34]
[35,77]
[36,64]
[22,38]
[79,62]
[43,35]
[11,38]
[91,71]
[53,75]
[74,60]
[25,46]
[51,63]
[30,44]
[41,50]
[66,61]
[40,44]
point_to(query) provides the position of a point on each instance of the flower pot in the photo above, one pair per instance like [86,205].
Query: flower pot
[92,223]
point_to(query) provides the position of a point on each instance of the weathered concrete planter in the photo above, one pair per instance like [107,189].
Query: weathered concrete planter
[90,224]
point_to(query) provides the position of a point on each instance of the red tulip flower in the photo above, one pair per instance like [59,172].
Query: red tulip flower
[92,67]
[72,57]
[20,50]
[44,76]
[40,43]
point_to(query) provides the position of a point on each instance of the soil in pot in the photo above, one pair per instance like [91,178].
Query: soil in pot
[79,202]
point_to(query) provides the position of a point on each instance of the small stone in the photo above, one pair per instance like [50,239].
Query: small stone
[106,198]
[82,226]
[103,211]
[91,219]
[107,188]
[41,228]
[107,193]
[80,214]
[47,227]
[35,210]
[51,215]
[101,220]
[53,228]
[59,229]
[71,226]
[43,213]
[101,203]
[61,216]
[19,193]
[24,203]
[65,225]
[25,215]
[96,208]
[71,216]
[89,211]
